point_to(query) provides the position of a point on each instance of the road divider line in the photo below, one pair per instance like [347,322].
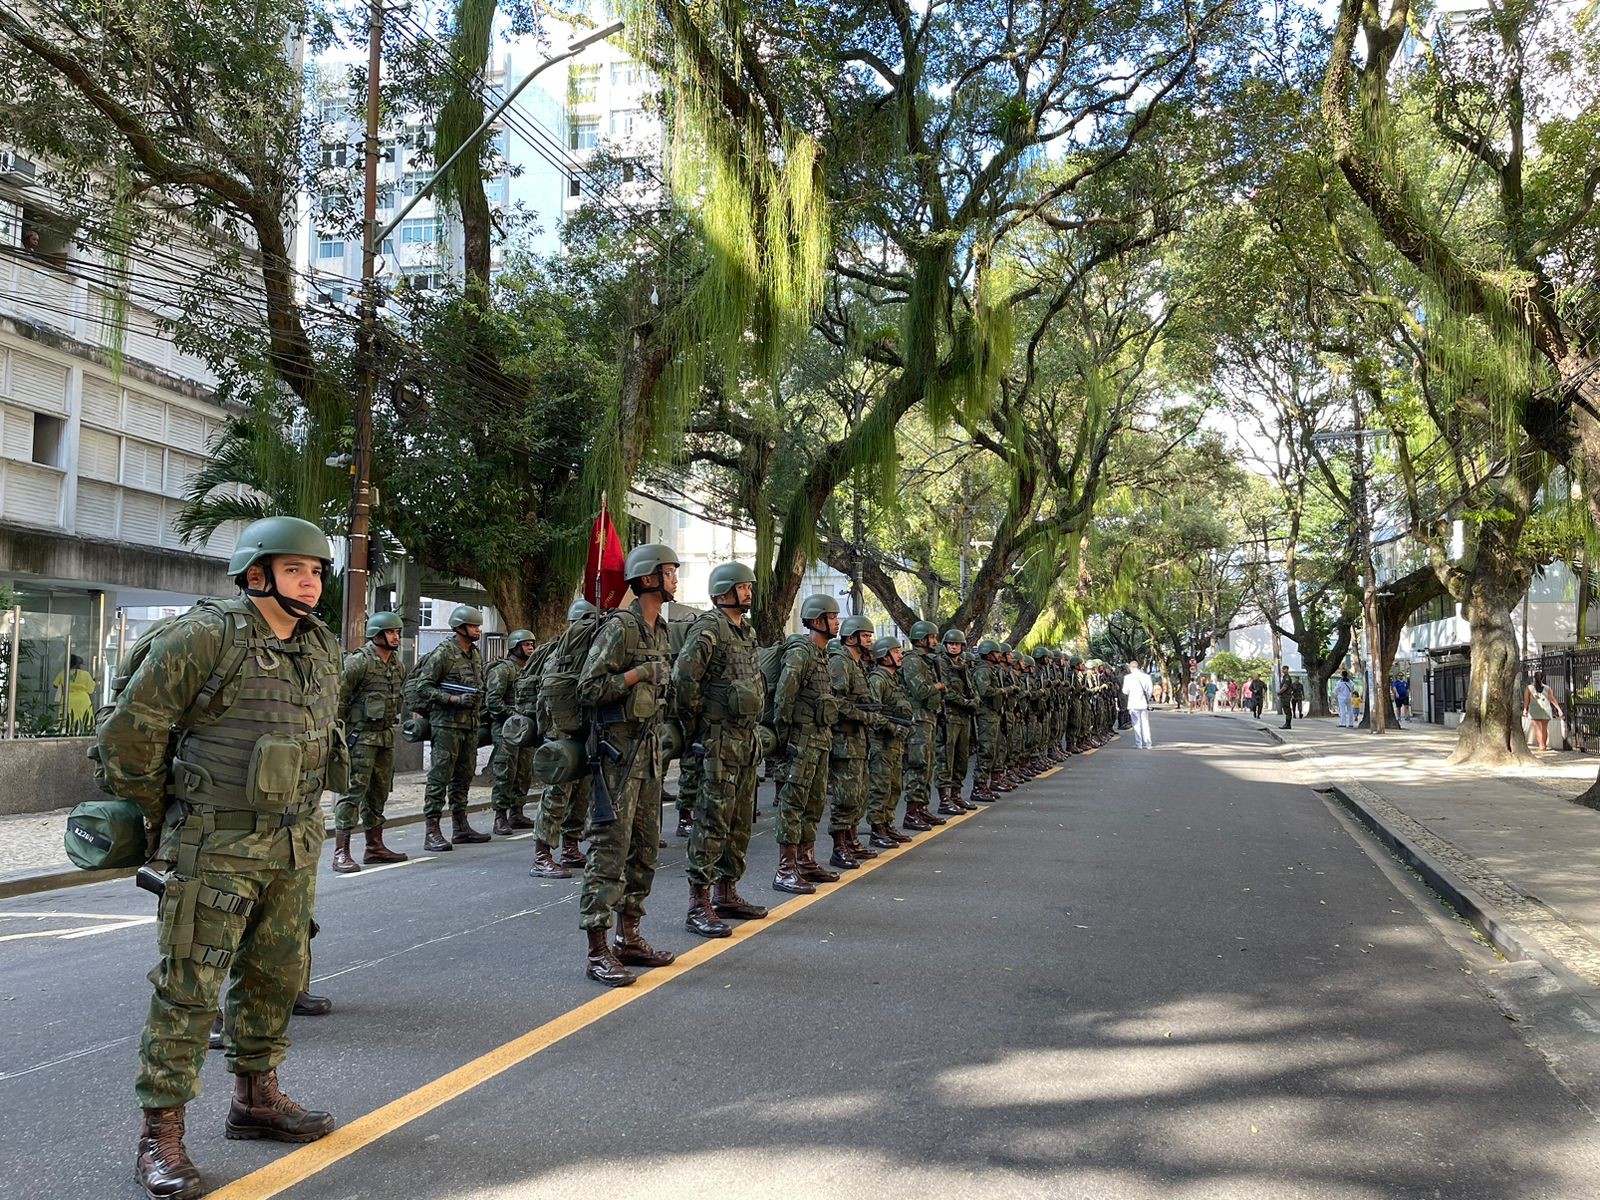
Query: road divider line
[301,1164]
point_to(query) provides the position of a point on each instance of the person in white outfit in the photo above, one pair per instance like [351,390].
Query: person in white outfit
[1344,695]
[1138,688]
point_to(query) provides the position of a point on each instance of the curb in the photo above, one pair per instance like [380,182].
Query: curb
[49,881]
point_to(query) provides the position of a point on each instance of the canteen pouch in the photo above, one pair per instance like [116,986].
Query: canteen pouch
[274,773]
[640,704]
[375,708]
[827,711]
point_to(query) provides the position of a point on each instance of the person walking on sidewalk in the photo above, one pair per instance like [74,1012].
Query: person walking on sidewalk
[1258,696]
[1344,696]
[1137,689]
[1539,705]
[1299,693]
[1402,699]
[1286,687]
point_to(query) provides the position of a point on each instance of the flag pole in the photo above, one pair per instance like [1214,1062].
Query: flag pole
[600,550]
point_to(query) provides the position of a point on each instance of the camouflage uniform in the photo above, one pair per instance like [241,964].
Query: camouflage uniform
[804,710]
[563,807]
[847,766]
[511,766]
[455,727]
[371,698]
[241,840]
[960,701]
[919,674]
[988,683]
[887,754]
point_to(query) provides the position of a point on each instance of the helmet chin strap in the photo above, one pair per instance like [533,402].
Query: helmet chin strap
[736,606]
[295,608]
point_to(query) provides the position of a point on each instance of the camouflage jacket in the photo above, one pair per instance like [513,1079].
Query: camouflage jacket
[451,664]
[500,689]
[804,692]
[920,675]
[371,694]
[622,642]
[715,677]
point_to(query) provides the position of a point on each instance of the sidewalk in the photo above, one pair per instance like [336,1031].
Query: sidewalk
[1509,849]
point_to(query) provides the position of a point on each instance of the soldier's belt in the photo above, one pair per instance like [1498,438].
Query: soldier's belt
[236,820]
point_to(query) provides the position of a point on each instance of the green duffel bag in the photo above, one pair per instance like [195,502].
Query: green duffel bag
[560,761]
[416,729]
[517,730]
[105,835]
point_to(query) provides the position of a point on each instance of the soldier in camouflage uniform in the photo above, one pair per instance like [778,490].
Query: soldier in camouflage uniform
[563,807]
[955,742]
[886,755]
[719,696]
[1008,779]
[370,697]
[511,766]
[803,708]
[989,686]
[623,684]
[247,691]
[919,672]
[452,693]
[854,722]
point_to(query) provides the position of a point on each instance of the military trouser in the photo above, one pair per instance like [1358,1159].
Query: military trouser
[455,762]
[847,782]
[690,772]
[371,781]
[955,748]
[918,786]
[725,806]
[621,862]
[563,811]
[512,767]
[803,786]
[247,928]
[988,742]
[885,776]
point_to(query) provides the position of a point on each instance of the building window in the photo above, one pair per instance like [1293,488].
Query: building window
[683,520]
[638,533]
[624,74]
[419,231]
[334,155]
[47,439]
[574,188]
[585,83]
[628,172]
[625,121]
[330,248]
[498,190]
[425,614]
[585,135]
[423,282]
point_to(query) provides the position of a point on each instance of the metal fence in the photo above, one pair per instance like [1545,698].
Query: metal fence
[1566,672]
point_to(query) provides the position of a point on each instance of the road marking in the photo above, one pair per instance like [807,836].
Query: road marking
[105,923]
[410,862]
[300,1165]
[1047,774]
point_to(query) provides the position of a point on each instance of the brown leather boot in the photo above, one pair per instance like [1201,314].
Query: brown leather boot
[632,950]
[342,862]
[914,822]
[726,902]
[841,857]
[461,830]
[685,826]
[603,965]
[702,919]
[899,838]
[965,802]
[502,823]
[928,815]
[433,839]
[571,853]
[520,820]
[308,1005]
[882,837]
[261,1110]
[810,868]
[947,803]
[545,865]
[788,877]
[377,852]
[161,1164]
[857,851]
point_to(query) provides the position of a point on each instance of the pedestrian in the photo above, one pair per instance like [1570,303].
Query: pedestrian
[451,690]
[1258,696]
[802,710]
[719,695]
[1401,689]
[1344,695]
[371,697]
[510,766]
[1299,696]
[1539,704]
[623,684]
[245,693]
[1286,687]
[1194,695]
[1211,695]
[1137,690]
[75,693]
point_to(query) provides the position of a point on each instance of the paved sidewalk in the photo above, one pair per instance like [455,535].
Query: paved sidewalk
[1512,843]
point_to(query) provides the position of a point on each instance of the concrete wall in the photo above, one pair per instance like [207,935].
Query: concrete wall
[39,774]
[63,558]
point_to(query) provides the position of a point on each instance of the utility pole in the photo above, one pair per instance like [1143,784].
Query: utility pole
[1272,624]
[360,540]
[1378,687]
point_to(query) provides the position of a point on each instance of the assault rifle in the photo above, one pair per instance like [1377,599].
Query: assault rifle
[602,809]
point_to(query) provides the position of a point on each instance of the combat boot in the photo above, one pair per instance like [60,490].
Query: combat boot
[810,868]
[857,851]
[632,950]
[928,815]
[726,902]
[882,837]
[545,865]
[788,877]
[161,1164]
[702,919]
[685,825]
[433,841]
[307,1005]
[914,821]
[899,838]
[377,852]
[261,1110]
[603,965]
[520,820]
[342,862]
[571,853]
[215,1041]
[842,858]
[947,803]
[461,830]
[962,802]
[502,823]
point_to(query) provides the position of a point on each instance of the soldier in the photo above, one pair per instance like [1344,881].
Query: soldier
[803,712]
[856,719]
[989,686]
[720,696]
[563,807]
[955,744]
[622,683]
[511,766]
[920,674]
[225,736]
[371,698]
[452,692]
[886,755]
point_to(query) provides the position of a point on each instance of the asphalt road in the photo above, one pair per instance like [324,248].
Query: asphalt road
[1172,973]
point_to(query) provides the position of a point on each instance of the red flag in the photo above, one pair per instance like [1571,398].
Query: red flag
[603,584]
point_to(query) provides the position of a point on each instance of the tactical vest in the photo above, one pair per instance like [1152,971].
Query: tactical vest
[376,703]
[891,693]
[465,668]
[814,703]
[732,691]
[270,747]
[641,706]
[922,661]
[952,672]
[852,730]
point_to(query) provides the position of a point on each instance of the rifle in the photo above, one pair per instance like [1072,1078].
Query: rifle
[460,689]
[602,810]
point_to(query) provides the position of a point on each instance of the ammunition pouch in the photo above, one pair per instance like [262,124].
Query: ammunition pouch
[200,923]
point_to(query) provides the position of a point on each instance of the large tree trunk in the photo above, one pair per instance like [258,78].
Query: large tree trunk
[1317,689]
[1491,731]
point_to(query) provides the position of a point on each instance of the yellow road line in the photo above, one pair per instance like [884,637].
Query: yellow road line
[299,1165]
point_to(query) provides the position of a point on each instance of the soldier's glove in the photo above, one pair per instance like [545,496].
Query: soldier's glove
[463,701]
[655,671]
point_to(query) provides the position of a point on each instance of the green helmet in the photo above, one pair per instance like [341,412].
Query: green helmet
[278,535]
[517,636]
[1039,652]
[835,644]
[579,609]
[1004,647]
[923,629]
[818,604]
[1076,661]
[648,559]
[465,614]
[954,637]
[725,576]
[380,622]
[885,646]
[854,625]
[987,646]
